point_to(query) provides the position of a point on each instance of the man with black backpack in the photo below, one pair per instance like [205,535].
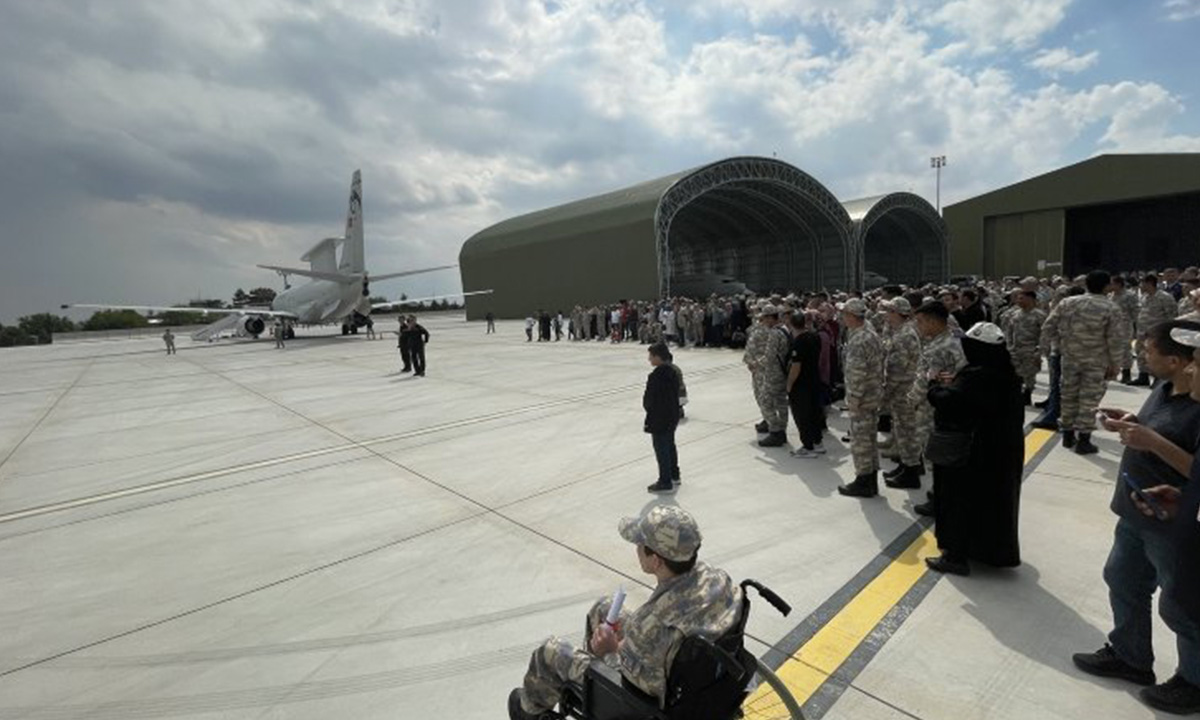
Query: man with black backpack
[690,599]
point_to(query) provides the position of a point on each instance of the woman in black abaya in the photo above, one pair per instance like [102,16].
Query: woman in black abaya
[976,506]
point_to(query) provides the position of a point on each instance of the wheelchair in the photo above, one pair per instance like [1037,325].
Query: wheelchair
[707,681]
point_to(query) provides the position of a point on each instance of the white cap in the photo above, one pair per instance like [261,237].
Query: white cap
[986,332]
[1184,336]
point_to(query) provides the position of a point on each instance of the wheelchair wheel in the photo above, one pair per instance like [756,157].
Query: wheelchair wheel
[779,705]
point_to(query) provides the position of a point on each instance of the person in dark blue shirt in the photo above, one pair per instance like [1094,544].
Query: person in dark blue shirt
[661,403]
[1161,441]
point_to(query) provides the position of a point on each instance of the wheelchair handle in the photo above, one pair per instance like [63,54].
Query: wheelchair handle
[769,595]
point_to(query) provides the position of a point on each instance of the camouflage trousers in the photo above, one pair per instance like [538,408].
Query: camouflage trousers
[1127,357]
[924,424]
[1083,387]
[558,663]
[864,417]
[1027,365]
[904,425]
[770,392]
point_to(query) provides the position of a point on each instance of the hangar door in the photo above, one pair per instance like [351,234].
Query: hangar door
[1013,244]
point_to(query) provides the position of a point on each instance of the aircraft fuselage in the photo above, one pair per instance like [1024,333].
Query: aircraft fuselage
[319,302]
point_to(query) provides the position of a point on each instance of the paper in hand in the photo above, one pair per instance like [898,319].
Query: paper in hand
[614,610]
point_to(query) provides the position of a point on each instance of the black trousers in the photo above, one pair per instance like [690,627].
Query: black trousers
[808,414]
[666,454]
[417,352]
[406,356]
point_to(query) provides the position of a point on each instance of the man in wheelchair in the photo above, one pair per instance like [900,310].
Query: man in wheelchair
[691,600]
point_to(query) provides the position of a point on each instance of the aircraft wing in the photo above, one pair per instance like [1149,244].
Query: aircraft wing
[265,312]
[389,276]
[409,301]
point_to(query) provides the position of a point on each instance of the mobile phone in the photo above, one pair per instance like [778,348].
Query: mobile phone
[1137,489]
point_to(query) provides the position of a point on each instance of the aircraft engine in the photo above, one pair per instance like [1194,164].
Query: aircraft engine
[357,319]
[254,326]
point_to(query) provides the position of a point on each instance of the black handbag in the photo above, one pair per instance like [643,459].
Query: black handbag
[949,448]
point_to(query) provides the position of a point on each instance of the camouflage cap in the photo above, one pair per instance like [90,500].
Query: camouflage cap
[769,310]
[669,530]
[854,306]
[897,305]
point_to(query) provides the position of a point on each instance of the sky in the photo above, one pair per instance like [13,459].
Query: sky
[152,151]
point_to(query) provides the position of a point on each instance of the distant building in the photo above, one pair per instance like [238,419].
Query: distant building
[745,222]
[1113,212]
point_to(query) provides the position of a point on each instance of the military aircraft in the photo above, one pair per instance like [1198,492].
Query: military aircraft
[338,290]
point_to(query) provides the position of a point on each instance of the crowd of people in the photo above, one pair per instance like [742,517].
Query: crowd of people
[946,373]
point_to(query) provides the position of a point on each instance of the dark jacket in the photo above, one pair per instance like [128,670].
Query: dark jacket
[661,400]
[417,336]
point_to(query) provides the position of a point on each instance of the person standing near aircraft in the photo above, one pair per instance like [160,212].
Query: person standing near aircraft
[491,323]
[277,330]
[417,337]
[405,344]
[169,339]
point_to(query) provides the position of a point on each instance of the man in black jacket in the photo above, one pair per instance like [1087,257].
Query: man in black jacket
[661,403]
[405,345]
[417,337]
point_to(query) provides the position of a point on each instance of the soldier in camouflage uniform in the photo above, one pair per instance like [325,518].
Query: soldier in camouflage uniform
[756,335]
[903,354]
[690,599]
[863,372]
[1154,306]
[1022,326]
[941,353]
[1091,338]
[770,375]
[1127,303]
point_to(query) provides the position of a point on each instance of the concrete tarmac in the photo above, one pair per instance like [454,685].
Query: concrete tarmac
[243,532]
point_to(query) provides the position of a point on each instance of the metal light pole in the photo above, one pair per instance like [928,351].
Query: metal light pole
[937,163]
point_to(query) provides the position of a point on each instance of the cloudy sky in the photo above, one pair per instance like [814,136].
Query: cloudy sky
[154,150]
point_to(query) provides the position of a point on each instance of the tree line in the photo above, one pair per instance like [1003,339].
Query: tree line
[39,329]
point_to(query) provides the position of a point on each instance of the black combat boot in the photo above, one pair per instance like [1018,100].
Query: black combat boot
[894,472]
[774,439]
[864,486]
[1085,446]
[661,487]
[1068,439]
[910,479]
[761,427]
[1126,377]
[1027,398]
[1142,380]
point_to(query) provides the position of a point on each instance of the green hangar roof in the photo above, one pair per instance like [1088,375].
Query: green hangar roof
[741,222]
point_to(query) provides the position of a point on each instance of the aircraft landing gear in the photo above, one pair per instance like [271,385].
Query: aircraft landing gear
[345,329]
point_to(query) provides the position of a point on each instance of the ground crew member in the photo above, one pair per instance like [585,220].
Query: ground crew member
[902,355]
[863,373]
[277,330]
[690,599]
[1091,338]
[1023,332]
[417,337]
[169,338]
[771,376]
[405,344]
[1154,306]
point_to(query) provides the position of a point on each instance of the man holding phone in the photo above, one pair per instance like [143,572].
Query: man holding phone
[1161,442]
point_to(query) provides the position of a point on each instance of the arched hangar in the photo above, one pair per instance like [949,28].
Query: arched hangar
[744,222]
[898,237]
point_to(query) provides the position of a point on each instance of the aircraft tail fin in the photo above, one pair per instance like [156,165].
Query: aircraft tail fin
[352,249]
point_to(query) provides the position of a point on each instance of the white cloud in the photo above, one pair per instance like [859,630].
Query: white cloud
[1180,10]
[990,24]
[1058,61]
[197,142]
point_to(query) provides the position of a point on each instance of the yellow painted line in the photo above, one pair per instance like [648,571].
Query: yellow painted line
[824,653]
